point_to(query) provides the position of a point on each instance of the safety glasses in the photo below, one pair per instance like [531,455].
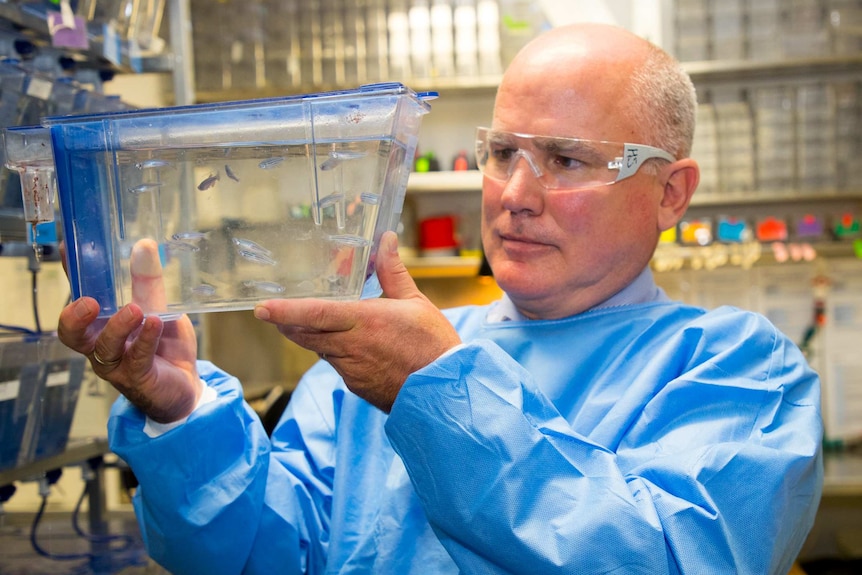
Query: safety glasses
[561,163]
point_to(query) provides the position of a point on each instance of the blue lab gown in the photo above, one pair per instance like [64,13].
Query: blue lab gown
[650,438]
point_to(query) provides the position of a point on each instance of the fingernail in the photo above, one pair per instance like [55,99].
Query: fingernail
[261,312]
[392,245]
[126,314]
[81,310]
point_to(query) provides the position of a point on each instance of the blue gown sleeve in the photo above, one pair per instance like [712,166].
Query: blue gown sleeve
[236,508]
[717,470]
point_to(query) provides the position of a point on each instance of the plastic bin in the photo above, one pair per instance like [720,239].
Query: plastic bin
[40,380]
[243,201]
[20,379]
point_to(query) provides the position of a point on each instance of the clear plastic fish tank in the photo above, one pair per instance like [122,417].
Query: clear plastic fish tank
[235,202]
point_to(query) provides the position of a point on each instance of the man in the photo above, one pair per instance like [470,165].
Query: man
[584,424]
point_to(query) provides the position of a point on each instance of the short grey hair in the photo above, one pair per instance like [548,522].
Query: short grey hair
[667,99]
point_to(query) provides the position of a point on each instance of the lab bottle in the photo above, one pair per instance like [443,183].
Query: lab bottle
[354,44]
[310,45]
[466,51]
[419,18]
[520,22]
[442,35]
[376,41]
[488,31]
[399,40]
[332,42]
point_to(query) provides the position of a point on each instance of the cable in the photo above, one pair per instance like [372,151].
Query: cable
[18,329]
[125,539]
[38,548]
[34,283]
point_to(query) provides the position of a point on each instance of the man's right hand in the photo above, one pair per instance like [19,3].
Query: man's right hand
[150,361]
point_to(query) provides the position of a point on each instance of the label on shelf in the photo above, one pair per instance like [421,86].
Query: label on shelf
[67,32]
[112,50]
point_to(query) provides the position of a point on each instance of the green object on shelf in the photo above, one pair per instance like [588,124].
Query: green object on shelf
[847,226]
[423,164]
[511,23]
[857,248]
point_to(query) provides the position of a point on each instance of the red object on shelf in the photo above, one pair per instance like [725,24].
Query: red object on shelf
[771,229]
[461,164]
[438,233]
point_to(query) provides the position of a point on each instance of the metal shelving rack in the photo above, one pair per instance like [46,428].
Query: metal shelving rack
[177,59]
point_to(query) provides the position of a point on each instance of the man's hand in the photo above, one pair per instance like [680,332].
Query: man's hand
[374,344]
[150,361]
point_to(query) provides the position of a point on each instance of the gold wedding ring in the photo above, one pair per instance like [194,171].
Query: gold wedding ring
[109,364]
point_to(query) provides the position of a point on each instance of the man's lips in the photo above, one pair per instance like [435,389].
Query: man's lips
[520,242]
[520,238]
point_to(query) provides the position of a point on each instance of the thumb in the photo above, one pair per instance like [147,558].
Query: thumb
[148,285]
[391,271]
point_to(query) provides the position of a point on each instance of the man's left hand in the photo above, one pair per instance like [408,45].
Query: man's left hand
[374,344]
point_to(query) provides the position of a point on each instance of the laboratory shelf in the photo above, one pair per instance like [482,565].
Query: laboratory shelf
[842,475]
[77,451]
[435,182]
[122,60]
[471,181]
[744,72]
[421,267]
[772,71]
[753,198]
[448,86]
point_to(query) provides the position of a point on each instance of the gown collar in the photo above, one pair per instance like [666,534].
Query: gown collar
[641,290]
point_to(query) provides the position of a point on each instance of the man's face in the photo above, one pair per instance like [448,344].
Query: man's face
[558,252]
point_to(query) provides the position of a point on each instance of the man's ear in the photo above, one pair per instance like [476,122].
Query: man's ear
[681,178]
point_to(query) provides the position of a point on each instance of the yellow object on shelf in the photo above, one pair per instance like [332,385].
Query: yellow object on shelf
[438,267]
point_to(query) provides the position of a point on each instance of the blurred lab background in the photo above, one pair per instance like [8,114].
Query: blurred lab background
[774,226]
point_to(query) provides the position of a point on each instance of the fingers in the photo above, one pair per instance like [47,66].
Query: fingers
[311,322]
[74,324]
[391,271]
[109,347]
[148,285]
[141,353]
[311,314]
[104,342]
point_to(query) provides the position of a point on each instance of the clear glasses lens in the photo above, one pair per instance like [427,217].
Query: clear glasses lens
[561,163]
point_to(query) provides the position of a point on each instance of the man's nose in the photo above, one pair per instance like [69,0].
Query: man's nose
[524,191]
[529,159]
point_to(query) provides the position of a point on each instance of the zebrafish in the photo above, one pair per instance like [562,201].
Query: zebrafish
[181,246]
[330,200]
[265,286]
[147,164]
[230,173]
[352,241]
[148,187]
[257,257]
[270,162]
[204,290]
[208,182]
[338,156]
[251,246]
[189,236]
[369,198]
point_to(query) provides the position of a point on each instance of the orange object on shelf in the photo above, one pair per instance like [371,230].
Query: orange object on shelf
[771,229]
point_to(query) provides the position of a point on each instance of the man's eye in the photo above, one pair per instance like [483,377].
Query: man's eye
[502,154]
[568,163]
